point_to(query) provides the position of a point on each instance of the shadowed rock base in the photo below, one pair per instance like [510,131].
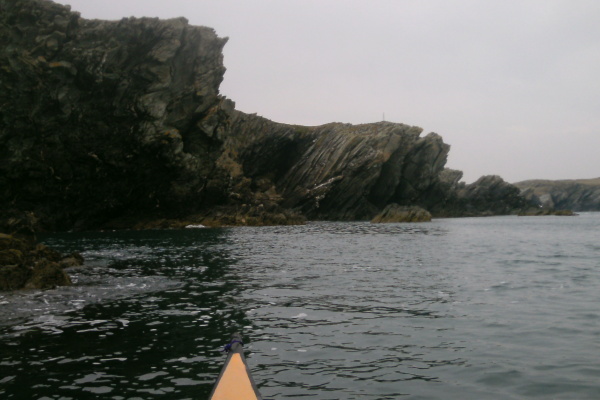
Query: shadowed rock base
[544,211]
[396,213]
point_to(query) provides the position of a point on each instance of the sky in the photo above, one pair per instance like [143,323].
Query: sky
[512,86]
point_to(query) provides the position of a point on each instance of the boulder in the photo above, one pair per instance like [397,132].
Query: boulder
[25,264]
[46,275]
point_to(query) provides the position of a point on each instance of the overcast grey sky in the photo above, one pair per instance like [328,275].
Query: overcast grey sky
[512,86]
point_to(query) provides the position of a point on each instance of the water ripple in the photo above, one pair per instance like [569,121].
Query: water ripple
[454,309]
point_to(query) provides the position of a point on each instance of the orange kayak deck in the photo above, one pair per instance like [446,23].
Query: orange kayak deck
[234,381]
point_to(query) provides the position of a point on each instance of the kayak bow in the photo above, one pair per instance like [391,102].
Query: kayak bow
[234,381]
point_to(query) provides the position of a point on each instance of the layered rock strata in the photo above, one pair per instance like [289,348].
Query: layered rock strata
[339,171]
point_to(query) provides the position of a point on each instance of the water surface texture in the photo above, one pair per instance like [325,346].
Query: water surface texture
[486,308]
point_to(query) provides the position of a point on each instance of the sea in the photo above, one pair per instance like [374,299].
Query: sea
[460,308]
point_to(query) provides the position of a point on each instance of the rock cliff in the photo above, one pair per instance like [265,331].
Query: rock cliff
[121,124]
[576,195]
[105,118]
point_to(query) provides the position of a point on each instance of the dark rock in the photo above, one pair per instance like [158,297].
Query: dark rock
[545,211]
[489,195]
[25,264]
[396,213]
[14,277]
[11,257]
[577,195]
[47,275]
[101,119]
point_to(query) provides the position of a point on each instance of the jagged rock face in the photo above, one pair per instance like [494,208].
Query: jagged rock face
[489,195]
[341,171]
[103,118]
[576,195]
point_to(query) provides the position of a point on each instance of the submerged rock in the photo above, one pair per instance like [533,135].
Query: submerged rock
[396,213]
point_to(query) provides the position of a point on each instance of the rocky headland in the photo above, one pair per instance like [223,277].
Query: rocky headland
[120,124]
[574,194]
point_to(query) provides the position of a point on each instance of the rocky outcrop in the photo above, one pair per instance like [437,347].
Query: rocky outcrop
[395,213]
[576,195]
[490,195]
[120,124]
[101,119]
[339,171]
[25,264]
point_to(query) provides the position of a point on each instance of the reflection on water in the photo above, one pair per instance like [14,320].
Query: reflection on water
[452,309]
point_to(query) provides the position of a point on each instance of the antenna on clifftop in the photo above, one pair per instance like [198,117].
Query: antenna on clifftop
[383,117]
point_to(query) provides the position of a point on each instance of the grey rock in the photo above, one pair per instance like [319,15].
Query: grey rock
[105,118]
[491,195]
[576,194]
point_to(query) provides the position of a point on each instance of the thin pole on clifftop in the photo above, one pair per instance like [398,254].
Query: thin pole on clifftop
[383,117]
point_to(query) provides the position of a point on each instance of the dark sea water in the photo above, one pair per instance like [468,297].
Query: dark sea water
[474,308]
